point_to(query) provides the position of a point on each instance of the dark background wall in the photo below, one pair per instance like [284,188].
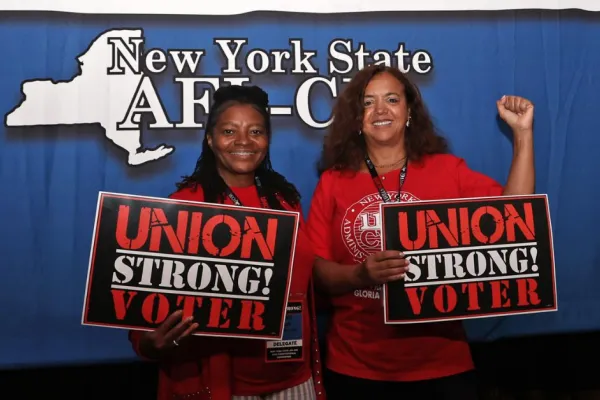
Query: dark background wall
[537,367]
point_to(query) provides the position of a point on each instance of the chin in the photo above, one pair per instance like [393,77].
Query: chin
[244,168]
[384,137]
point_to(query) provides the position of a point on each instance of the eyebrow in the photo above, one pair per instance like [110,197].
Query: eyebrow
[387,94]
[236,123]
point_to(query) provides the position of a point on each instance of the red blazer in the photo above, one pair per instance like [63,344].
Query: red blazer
[208,377]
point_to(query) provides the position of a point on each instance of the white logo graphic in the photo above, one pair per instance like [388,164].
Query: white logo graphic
[95,97]
[115,90]
[361,226]
[361,232]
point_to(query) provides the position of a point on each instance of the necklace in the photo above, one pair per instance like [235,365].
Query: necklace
[392,164]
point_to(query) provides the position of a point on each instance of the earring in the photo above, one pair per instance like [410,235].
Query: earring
[408,122]
[360,132]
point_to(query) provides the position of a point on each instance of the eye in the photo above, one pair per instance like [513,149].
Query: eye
[228,131]
[256,132]
[367,103]
[393,100]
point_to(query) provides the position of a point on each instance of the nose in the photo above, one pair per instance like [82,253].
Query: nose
[380,107]
[242,137]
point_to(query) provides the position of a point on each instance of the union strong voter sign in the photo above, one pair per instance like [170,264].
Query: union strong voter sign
[470,258]
[229,267]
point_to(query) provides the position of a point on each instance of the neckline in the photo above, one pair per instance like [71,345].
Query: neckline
[395,170]
[243,188]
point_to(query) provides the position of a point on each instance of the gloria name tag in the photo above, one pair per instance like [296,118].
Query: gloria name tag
[290,348]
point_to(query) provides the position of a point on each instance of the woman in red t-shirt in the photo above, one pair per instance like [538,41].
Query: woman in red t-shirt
[234,168]
[382,146]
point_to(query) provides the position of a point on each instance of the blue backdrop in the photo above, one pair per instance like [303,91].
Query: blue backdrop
[51,176]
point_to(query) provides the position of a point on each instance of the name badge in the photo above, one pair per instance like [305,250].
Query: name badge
[290,348]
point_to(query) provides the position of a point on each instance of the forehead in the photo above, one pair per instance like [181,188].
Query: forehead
[239,113]
[384,83]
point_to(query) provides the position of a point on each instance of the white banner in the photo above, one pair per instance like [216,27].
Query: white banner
[234,7]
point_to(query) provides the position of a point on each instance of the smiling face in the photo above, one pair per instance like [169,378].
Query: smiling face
[240,143]
[385,110]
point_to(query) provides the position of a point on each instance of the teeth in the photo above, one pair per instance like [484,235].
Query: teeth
[381,123]
[242,153]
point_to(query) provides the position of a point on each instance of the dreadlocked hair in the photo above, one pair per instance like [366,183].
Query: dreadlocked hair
[206,175]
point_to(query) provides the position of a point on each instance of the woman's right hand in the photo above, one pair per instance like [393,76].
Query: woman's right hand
[167,336]
[383,267]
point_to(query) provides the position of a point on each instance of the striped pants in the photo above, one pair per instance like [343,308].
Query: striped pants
[304,391]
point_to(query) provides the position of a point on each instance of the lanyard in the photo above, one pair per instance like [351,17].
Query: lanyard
[377,180]
[259,188]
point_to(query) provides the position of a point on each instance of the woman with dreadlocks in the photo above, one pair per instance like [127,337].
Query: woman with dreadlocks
[234,168]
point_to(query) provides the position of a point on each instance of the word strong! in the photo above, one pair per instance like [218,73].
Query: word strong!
[470,258]
[227,266]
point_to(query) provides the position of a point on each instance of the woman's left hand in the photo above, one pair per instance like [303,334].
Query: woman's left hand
[517,112]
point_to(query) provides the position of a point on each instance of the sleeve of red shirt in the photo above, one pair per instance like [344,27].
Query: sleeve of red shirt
[297,208]
[475,184]
[186,194]
[318,225]
[135,338]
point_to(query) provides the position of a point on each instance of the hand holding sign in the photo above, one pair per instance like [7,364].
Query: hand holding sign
[383,267]
[167,335]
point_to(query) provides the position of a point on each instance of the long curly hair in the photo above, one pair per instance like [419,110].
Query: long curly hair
[344,148]
[205,173]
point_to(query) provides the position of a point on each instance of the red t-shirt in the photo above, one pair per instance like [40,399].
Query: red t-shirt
[344,227]
[251,374]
